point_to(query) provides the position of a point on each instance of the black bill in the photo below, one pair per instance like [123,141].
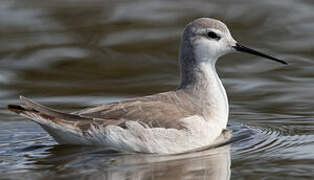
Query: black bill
[242,48]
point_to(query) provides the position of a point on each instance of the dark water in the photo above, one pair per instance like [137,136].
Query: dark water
[75,54]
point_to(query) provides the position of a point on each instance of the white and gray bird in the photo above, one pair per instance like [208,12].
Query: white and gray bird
[190,117]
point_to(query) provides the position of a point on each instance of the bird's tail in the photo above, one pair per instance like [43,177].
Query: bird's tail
[63,127]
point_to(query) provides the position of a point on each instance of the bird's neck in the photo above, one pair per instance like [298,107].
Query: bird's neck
[203,83]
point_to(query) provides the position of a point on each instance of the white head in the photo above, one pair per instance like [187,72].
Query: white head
[210,39]
[204,40]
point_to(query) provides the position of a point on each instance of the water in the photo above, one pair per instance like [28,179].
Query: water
[72,55]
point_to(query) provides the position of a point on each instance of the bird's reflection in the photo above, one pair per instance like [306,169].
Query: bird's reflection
[96,163]
[210,164]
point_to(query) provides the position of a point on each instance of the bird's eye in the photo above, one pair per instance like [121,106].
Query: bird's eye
[213,35]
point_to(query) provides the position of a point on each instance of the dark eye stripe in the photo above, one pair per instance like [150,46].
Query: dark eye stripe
[213,35]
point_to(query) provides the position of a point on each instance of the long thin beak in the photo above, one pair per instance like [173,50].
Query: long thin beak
[242,48]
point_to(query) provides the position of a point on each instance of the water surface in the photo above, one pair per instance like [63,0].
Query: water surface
[77,54]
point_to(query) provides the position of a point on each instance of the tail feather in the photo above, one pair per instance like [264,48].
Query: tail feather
[31,105]
[65,128]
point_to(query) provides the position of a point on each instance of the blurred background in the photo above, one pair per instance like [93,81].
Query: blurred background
[76,54]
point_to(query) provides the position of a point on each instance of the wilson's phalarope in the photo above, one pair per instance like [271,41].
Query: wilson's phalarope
[192,116]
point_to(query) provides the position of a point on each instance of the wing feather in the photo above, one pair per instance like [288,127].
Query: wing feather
[159,110]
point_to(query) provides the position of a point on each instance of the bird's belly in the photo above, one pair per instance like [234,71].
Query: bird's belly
[140,138]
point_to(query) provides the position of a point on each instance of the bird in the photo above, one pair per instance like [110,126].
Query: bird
[189,117]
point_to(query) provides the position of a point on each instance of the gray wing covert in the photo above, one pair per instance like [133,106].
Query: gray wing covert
[160,110]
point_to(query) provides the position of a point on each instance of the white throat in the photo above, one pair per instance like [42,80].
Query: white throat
[208,81]
[200,79]
[214,93]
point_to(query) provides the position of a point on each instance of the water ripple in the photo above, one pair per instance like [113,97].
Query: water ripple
[269,142]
